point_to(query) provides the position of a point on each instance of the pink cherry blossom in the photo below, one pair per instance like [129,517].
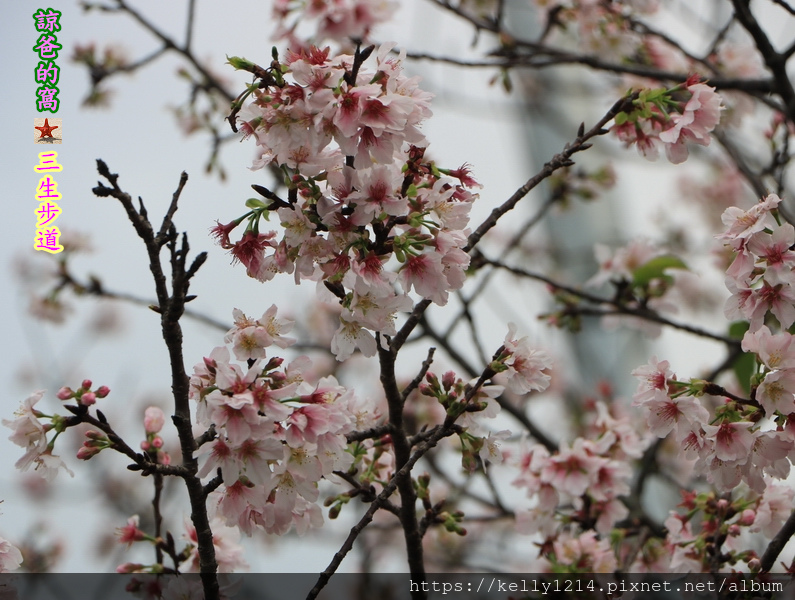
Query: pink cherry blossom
[777,299]
[744,223]
[425,273]
[250,250]
[777,392]
[10,556]
[774,250]
[586,552]
[221,456]
[528,369]
[351,335]
[724,474]
[666,414]
[733,441]
[774,508]
[653,381]
[614,266]
[573,469]
[131,533]
[775,351]
[28,431]
[228,551]
[700,116]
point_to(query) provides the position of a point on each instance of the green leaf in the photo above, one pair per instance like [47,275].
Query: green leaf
[655,269]
[744,366]
[255,203]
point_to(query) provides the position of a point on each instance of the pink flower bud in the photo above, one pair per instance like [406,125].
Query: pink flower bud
[154,419]
[164,458]
[86,384]
[129,568]
[723,504]
[734,529]
[93,434]
[65,393]
[157,441]
[102,391]
[274,363]
[146,446]
[754,564]
[88,399]
[86,452]
[448,380]
[747,517]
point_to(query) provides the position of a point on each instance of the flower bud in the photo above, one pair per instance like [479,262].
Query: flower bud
[88,398]
[154,419]
[102,391]
[85,452]
[65,393]
[157,442]
[448,380]
[747,517]
[274,363]
[86,384]
[240,63]
[129,568]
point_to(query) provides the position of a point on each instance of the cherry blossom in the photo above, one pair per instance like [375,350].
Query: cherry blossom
[228,551]
[654,379]
[10,556]
[733,441]
[777,392]
[527,369]
[585,553]
[338,20]
[28,431]
[673,117]
[744,223]
[131,533]
[666,414]
[774,508]
[698,118]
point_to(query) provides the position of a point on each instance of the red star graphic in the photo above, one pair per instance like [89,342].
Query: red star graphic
[46,130]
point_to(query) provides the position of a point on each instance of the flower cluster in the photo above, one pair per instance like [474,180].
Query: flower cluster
[366,214]
[340,20]
[760,277]
[277,435]
[523,369]
[708,518]
[583,553]
[731,446]
[644,276]
[31,434]
[603,29]
[752,439]
[673,117]
[581,482]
